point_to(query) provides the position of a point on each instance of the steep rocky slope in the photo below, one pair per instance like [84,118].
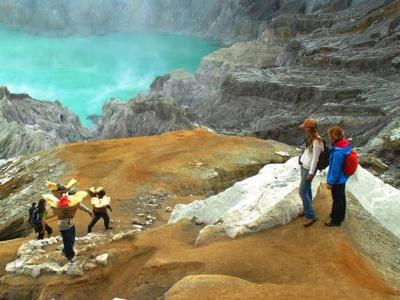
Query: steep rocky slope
[177,164]
[143,118]
[144,176]
[336,60]
[225,20]
[298,67]
[339,64]
[163,262]
[28,125]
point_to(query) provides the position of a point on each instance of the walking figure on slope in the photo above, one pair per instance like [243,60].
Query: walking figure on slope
[65,201]
[100,204]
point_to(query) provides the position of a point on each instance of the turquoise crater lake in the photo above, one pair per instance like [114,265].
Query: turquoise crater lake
[83,72]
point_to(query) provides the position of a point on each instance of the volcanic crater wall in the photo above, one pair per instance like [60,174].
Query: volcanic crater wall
[225,20]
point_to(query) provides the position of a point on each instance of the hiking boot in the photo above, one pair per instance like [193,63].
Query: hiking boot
[110,228]
[330,224]
[309,222]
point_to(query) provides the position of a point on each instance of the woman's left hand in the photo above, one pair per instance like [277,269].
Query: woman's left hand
[310,177]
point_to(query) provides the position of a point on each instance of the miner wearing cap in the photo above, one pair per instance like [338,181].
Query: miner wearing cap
[101,203]
[65,201]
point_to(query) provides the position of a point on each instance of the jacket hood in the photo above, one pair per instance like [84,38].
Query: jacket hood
[343,146]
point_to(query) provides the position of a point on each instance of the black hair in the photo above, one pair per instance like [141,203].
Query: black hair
[61,188]
[42,205]
[101,194]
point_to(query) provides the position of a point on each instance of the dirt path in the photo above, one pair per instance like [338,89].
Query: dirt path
[180,163]
[288,262]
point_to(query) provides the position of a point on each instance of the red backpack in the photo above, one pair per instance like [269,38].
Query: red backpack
[350,163]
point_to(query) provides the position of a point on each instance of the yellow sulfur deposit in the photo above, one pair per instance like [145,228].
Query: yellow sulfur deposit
[96,190]
[73,200]
[50,200]
[51,186]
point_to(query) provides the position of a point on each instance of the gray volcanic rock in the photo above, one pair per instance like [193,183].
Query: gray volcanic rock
[29,125]
[21,183]
[227,20]
[256,100]
[138,118]
[337,60]
[321,64]
[386,146]
[339,64]
[363,38]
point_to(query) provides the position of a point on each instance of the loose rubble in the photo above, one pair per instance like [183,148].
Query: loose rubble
[147,204]
[38,257]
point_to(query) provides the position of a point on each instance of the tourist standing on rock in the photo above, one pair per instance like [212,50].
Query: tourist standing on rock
[338,174]
[309,161]
[100,204]
[42,220]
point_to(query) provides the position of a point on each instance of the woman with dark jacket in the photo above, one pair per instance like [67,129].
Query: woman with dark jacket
[336,177]
[43,226]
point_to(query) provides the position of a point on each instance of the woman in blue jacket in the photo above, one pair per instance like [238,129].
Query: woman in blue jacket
[336,177]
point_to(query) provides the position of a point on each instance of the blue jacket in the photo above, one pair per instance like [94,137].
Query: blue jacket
[336,161]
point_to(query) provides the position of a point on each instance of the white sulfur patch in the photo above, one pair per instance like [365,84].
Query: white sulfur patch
[271,199]
[263,201]
[378,198]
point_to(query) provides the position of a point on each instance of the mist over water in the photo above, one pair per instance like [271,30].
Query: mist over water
[85,71]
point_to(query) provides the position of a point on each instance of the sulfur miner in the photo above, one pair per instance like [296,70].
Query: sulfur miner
[65,200]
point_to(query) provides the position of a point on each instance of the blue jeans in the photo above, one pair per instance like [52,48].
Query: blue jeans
[306,195]
[68,237]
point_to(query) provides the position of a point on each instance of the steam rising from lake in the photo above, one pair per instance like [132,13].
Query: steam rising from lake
[84,72]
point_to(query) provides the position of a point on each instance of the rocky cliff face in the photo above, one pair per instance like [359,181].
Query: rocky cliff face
[181,163]
[21,183]
[141,118]
[336,60]
[225,20]
[146,175]
[339,64]
[298,67]
[28,125]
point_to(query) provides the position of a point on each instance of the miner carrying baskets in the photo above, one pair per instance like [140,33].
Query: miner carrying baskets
[65,200]
[101,203]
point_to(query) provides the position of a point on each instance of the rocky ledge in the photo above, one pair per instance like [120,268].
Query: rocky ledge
[163,262]
[336,60]
[271,198]
[338,64]
[141,118]
[142,173]
[21,183]
[29,125]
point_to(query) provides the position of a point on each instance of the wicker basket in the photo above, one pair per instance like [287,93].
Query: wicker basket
[65,213]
